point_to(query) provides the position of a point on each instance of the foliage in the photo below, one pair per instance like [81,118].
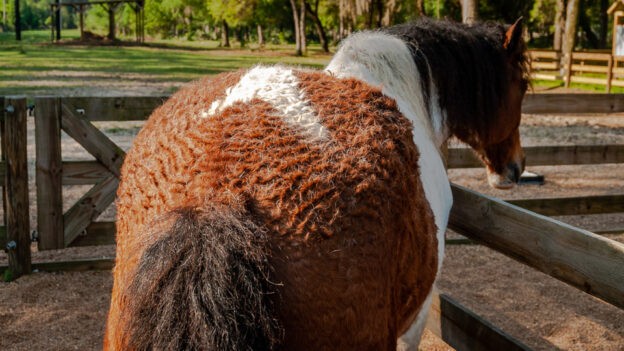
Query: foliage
[202,19]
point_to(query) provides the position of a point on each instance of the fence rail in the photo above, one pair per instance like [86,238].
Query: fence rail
[582,259]
[600,68]
[547,155]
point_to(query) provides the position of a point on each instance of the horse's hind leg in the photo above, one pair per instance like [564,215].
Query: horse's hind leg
[410,340]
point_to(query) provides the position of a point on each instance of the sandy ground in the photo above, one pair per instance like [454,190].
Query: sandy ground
[66,311]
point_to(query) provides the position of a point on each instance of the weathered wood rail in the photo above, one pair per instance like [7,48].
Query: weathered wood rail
[15,234]
[579,258]
[600,67]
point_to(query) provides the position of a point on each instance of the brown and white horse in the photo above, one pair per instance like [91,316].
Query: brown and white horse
[280,208]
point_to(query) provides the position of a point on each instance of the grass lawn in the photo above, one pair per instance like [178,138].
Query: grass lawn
[37,67]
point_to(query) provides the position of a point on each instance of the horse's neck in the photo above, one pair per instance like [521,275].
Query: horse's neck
[385,61]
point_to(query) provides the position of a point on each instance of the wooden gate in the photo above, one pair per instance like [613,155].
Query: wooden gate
[56,229]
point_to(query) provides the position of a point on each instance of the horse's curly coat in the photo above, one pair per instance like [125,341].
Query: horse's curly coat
[331,209]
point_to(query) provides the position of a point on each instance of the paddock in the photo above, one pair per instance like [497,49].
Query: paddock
[574,256]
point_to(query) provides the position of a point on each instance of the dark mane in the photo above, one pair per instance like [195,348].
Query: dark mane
[467,64]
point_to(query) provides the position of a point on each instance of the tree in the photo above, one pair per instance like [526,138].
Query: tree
[585,23]
[569,35]
[297,26]
[18,28]
[604,23]
[225,34]
[469,11]
[420,8]
[314,14]
[559,24]
[302,26]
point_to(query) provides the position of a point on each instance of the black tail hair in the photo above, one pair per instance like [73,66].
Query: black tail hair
[203,285]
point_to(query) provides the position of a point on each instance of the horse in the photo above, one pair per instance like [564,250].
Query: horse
[289,208]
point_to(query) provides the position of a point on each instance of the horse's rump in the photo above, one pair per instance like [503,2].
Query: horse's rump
[332,181]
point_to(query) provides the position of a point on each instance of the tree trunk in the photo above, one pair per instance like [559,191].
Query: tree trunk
[295,12]
[604,24]
[318,25]
[260,35]
[569,36]
[469,11]
[559,24]
[111,22]
[420,8]
[585,24]
[225,34]
[341,26]
[380,13]
[18,25]
[302,26]
[4,26]
[240,35]
[370,15]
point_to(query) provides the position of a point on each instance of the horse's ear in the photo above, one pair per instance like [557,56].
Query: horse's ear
[513,37]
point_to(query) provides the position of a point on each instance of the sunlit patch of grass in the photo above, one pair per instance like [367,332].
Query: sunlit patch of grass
[38,61]
[590,88]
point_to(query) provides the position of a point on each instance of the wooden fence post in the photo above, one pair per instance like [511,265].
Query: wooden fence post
[3,234]
[609,73]
[49,173]
[567,68]
[16,185]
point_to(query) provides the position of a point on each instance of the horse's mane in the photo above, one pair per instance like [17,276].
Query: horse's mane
[467,64]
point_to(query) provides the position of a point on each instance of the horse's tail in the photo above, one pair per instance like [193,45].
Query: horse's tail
[203,285]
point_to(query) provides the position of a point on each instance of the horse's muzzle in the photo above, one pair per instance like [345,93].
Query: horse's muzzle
[508,178]
[514,172]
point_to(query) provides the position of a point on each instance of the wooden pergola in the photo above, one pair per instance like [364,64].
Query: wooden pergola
[110,6]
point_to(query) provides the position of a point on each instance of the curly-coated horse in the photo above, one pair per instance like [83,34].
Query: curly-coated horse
[283,208]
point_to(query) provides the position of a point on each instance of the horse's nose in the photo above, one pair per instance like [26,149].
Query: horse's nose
[515,170]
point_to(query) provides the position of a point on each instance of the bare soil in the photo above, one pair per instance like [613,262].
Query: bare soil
[66,311]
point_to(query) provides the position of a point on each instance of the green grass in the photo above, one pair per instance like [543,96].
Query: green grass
[590,88]
[36,66]
[34,37]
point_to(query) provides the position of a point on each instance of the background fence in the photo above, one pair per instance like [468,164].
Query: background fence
[577,257]
[601,68]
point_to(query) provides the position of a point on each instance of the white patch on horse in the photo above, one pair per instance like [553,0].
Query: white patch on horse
[279,87]
[385,61]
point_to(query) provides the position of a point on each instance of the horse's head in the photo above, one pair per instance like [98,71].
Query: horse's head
[498,142]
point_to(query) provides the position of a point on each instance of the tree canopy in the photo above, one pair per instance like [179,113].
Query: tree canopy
[323,20]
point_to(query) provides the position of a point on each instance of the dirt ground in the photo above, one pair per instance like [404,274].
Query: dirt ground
[66,311]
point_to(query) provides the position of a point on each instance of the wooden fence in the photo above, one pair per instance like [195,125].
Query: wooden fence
[601,68]
[15,234]
[577,257]
[76,227]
